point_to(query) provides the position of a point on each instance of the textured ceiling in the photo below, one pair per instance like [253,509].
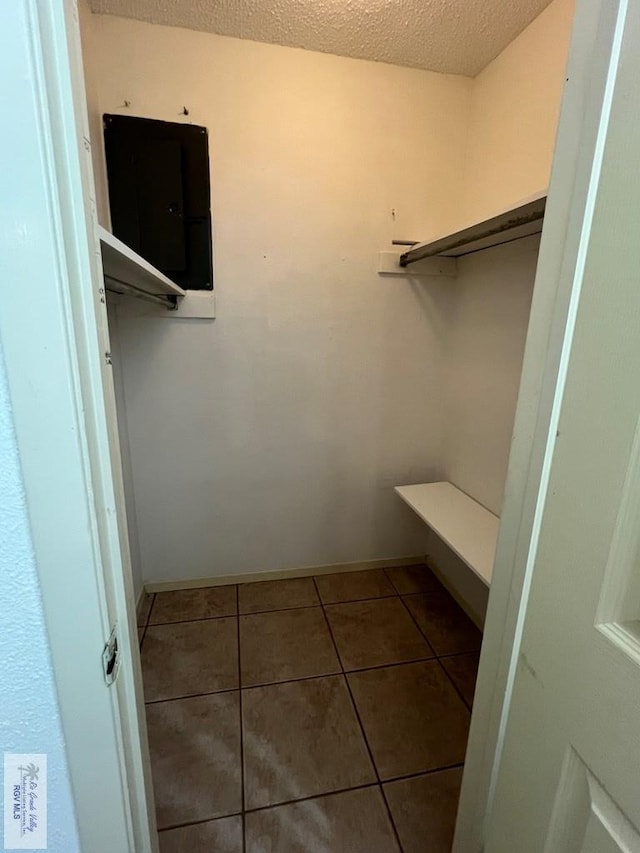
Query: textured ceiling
[451,36]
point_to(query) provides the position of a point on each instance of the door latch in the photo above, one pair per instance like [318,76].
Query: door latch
[111,658]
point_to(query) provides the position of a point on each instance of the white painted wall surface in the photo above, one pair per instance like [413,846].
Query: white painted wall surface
[514,114]
[29,717]
[272,437]
[485,347]
[88,34]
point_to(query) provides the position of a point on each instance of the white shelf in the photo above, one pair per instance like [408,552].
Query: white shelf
[470,530]
[523,220]
[128,271]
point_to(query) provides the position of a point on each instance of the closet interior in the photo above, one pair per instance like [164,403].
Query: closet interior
[339,405]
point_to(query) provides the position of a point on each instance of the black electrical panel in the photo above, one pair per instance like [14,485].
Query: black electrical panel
[159,195]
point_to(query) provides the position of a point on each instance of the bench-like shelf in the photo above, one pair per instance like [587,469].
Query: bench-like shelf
[127,272]
[463,524]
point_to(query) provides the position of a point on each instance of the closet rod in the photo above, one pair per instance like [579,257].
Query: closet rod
[168,301]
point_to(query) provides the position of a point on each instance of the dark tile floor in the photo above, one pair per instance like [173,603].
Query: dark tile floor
[319,715]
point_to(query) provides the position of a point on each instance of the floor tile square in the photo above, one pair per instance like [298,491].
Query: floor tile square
[184,604]
[375,632]
[412,716]
[353,586]
[444,623]
[195,758]
[424,810]
[407,579]
[189,658]
[144,608]
[277,595]
[285,644]
[301,739]
[463,670]
[223,835]
[351,822]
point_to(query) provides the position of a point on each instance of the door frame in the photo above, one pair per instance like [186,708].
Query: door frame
[574,177]
[55,344]
[65,350]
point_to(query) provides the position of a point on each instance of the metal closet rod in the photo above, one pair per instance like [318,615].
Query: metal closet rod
[168,301]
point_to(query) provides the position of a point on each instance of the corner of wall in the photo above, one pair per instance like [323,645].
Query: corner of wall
[513,118]
[88,36]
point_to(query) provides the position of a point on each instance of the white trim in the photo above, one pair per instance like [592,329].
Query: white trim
[283,574]
[53,331]
[575,162]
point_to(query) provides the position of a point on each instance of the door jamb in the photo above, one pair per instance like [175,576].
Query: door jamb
[54,332]
[575,162]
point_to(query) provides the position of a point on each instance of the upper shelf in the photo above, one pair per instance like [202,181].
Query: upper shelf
[128,271]
[520,221]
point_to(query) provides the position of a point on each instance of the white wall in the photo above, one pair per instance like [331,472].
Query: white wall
[515,104]
[485,347]
[30,721]
[272,436]
[514,114]
[89,46]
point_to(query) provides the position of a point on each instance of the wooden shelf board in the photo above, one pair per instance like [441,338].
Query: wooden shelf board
[524,219]
[122,264]
[470,530]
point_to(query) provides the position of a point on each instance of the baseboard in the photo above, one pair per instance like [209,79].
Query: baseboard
[281,574]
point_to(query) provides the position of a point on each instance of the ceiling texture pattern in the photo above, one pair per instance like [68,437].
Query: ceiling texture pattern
[449,36]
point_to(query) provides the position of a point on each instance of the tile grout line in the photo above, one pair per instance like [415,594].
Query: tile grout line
[437,658]
[191,696]
[455,686]
[384,571]
[356,600]
[146,622]
[436,654]
[242,802]
[415,622]
[340,671]
[270,610]
[458,654]
[153,602]
[306,799]
[379,782]
[229,615]
[362,730]
[376,784]
[198,822]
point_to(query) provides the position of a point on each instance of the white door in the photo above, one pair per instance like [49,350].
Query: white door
[54,339]
[569,779]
